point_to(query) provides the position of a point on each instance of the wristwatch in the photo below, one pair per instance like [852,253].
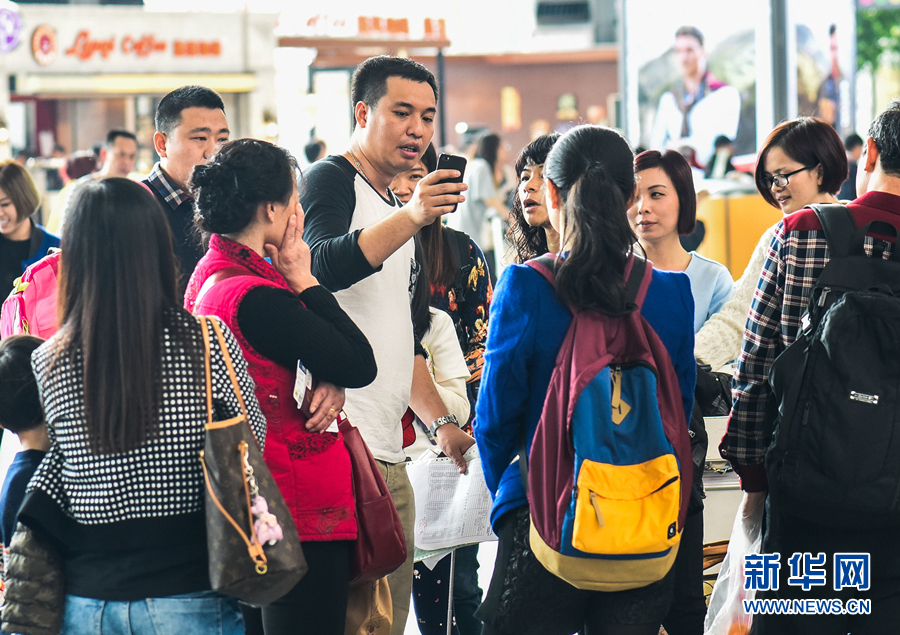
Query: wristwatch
[437,423]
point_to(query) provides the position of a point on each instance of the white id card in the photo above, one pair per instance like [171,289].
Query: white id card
[302,384]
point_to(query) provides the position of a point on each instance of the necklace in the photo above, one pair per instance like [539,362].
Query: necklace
[363,174]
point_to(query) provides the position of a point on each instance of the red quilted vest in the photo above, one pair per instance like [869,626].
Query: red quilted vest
[312,470]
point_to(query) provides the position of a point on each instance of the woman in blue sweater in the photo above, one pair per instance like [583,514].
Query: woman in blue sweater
[590,185]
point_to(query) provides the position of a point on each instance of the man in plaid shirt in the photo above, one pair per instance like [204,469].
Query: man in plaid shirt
[795,259]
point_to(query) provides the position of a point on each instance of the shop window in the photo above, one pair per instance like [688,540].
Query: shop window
[556,12]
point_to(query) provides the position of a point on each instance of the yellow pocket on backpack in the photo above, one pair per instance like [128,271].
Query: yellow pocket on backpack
[627,509]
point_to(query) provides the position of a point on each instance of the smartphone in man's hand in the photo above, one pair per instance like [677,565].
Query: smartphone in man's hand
[452,162]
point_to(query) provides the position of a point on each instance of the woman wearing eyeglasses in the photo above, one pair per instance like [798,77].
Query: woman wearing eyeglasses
[801,162]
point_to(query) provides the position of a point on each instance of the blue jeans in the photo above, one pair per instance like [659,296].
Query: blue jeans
[202,613]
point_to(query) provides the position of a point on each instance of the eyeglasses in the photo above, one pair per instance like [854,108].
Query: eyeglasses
[781,180]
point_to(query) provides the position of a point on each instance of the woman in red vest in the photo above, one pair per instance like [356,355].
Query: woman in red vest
[256,278]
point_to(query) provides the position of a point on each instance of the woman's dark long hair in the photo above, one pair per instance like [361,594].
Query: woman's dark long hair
[117,284]
[591,166]
[527,241]
[488,148]
[433,240]
[421,300]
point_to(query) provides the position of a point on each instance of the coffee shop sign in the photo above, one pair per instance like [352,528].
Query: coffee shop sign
[86,47]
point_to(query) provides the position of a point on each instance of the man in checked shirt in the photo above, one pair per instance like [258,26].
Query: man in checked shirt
[794,262]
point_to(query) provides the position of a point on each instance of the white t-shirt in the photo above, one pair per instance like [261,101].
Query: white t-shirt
[718,113]
[378,301]
[472,216]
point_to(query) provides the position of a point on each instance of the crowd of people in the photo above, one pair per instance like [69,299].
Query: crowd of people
[350,272]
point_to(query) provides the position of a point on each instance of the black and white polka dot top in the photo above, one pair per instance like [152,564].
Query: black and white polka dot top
[161,478]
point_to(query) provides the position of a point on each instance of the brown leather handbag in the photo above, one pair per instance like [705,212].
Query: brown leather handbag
[254,549]
[380,546]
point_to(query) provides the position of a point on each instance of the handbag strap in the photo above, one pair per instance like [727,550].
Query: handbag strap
[254,548]
[204,325]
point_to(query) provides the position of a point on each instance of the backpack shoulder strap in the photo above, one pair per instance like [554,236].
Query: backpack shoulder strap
[638,275]
[839,227]
[545,265]
[459,246]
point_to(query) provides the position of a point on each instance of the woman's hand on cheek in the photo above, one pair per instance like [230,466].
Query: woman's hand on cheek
[292,260]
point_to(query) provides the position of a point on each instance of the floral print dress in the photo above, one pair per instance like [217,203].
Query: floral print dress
[469,312]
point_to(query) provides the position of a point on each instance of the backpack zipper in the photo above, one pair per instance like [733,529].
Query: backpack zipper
[620,408]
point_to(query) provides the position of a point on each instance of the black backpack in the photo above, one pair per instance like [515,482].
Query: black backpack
[835,452]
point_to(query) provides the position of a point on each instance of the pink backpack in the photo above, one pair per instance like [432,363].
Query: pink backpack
[31,307]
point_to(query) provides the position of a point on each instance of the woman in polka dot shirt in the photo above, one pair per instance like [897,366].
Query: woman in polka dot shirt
[123,387]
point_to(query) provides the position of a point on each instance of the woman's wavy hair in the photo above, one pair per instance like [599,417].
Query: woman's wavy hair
[591,167]
[229,188]
[118,291]
[528,242]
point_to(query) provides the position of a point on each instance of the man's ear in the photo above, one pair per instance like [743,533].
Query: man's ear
[871,155]
[159,143]
[361,114]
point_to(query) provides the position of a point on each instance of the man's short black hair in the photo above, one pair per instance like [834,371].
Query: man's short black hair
[852,142]
[115,134]
[168,112]
[369,83]
[885,132]
[722,141]
[312,150]
[20,403]
[690,31]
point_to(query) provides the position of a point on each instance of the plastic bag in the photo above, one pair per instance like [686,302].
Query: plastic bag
[725,615]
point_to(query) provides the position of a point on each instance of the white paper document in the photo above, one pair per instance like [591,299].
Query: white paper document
[452,509]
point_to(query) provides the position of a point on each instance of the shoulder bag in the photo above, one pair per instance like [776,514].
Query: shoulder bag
[254,550]
[380,546]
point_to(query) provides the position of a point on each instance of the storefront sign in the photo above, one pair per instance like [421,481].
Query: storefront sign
[43,44]
[109,40]
[192,48]
[86,47]
[342,25]
[10,30]
[142,47]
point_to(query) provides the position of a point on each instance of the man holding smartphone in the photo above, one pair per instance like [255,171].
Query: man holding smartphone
[360,239]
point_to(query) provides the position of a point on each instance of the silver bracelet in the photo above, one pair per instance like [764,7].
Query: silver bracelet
[437,423]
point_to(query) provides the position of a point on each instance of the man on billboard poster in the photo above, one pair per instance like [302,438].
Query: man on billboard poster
[698,108]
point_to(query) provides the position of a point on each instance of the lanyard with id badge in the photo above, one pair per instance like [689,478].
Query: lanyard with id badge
[303,393]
